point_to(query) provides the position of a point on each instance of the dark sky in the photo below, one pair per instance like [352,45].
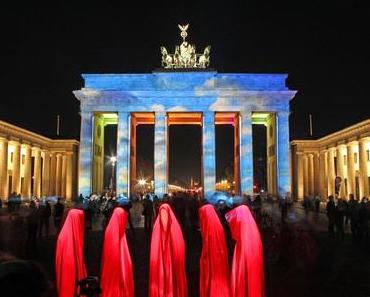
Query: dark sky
[322,45]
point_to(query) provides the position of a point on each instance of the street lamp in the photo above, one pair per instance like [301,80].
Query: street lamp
[142,182]
[113,161]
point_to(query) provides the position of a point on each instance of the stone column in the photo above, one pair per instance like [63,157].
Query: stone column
[271,154]
[283,146]
[84,181]
[316,174]
[27,171]
[16,168]
[46,174]
[58,175]
[53,173]
[364,180]
[37,172]
[331,171]
[300,176]
[63,178]
[69,176]
[209,153]
[311,186]
[133,153]
[123,154]
[340,168]
[246,153]
[237,154]
[306,191]
[351,169]
[160,154]
[3,168]
[323,184]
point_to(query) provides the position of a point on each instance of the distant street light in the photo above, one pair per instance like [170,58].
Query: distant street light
[113,161]
[142,182]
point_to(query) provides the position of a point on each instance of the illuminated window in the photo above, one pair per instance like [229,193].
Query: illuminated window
[345,160]
[355,157]
[11,157]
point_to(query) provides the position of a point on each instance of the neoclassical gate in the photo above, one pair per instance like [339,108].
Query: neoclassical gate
[185,92]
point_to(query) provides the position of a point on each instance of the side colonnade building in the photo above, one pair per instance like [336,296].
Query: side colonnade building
[343,156]
[34,165]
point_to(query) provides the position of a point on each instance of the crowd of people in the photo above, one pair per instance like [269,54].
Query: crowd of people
[340,212]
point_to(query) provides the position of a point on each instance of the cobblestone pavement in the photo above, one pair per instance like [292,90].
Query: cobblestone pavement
[309,263]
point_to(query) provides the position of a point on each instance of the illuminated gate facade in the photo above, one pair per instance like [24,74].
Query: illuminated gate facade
[164,98]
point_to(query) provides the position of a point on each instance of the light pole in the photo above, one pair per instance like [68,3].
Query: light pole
[113,161]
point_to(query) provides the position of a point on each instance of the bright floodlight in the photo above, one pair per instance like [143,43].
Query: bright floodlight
[113,159]
[142,182]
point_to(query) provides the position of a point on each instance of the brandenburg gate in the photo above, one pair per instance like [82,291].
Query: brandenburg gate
[185,91]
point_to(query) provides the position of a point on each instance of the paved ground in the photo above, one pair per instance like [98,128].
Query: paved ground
[305,261]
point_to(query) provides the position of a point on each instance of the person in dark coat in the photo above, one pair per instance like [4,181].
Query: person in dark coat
[340,212]
[148,213]
[330,213]
[32,226]
[364,217]
[354,215]
[58,214]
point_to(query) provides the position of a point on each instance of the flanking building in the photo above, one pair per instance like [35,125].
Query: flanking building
[35,165]
[338,163]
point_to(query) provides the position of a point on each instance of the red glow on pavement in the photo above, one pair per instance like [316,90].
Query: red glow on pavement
[167,257]
[247,275]
[214,267]
[116,275]
[69,260]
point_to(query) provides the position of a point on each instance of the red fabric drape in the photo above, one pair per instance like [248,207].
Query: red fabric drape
[69,261]
[247,275]
[116,275]
[167,276]
[214,267]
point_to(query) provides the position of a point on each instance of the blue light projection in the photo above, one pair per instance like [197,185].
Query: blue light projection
[204,92]
[160,154]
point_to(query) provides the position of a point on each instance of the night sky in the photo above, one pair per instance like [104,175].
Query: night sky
[322,45]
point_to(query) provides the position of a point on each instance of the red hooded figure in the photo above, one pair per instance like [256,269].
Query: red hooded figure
[167,276]
[214,267]
[69,260]
[116,275]
[247,275]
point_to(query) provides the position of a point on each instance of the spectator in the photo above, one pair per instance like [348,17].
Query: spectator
[32,224]
[148,213]
[58,214]
[22,278]
[354,216]
[340,212]
[317,204]
[330,213]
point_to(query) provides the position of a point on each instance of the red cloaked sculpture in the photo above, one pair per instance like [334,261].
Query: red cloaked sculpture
[247,275]
[214,267]
[69,260]
[116,275]
[167,276]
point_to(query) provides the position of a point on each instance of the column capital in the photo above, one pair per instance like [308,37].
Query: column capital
[364,140]
[36,148]
[26,145]
[3,139]
[352,143]
[14,141]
